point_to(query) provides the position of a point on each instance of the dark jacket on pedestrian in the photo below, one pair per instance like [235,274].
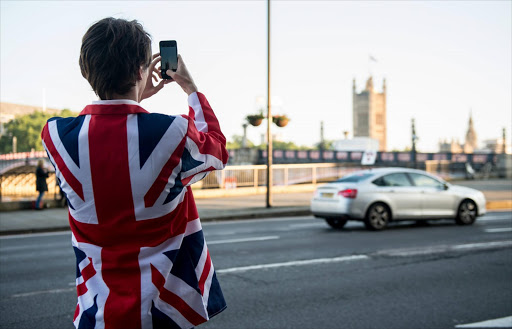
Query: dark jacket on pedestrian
[41,176]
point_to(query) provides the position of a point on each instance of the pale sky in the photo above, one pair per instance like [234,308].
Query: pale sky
[440,59]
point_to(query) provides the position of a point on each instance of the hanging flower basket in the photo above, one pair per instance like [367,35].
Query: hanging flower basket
[280,120]
[256,119]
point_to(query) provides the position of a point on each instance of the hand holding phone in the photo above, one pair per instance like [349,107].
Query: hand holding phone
[183,78]
[169,54]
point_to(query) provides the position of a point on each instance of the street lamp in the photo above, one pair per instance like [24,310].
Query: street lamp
[414,139]
[269,117]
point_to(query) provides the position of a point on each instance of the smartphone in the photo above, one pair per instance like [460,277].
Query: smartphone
[169,54]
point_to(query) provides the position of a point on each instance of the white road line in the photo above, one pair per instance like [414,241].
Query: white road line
[429,250]
[34,235]
[498,230]
[505,322]
[307,225]
[293,263]
[52,291]
[487,218]
[263,238]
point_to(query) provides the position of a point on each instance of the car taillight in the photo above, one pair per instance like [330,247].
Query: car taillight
[350,193]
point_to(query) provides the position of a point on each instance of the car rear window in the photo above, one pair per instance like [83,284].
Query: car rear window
[354,178]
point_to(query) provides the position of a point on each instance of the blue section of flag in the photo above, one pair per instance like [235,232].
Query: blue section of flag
[188,162]
[175,190]
[187,258]
[80,256]
[152,126]
[69,129]
[160,320]
[171,254]
[88,318]
[216,301]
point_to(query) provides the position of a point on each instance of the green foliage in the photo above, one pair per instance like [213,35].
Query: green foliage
[279,145]
[27,129]
[326,145]
[236,142]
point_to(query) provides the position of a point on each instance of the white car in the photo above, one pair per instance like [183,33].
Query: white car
[379,196]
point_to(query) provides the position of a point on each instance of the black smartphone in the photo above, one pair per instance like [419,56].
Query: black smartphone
[169,54]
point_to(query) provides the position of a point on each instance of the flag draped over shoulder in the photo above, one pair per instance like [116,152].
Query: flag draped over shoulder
[141,257]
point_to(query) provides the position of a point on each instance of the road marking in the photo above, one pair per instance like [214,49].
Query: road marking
[487,218]
[407,252]
[498,230]
[52,291]
[293,263]
[33,235]
[263,238]
[306,225]
[505,322]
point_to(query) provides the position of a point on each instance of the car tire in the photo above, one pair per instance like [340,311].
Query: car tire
[467,212]
[377,217]
[336,223]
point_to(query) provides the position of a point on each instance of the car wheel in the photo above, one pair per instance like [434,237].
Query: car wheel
[377,217]
[466,215]
[336,222]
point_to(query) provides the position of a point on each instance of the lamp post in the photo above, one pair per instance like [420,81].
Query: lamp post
[269,117]
[414,139]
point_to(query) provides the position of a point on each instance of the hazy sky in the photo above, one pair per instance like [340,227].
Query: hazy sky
[440,60]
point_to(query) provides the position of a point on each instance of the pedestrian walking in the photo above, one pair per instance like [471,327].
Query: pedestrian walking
[141,257]
[41,185]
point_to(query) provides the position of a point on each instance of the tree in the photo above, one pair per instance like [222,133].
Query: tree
[27,129]
[236,142]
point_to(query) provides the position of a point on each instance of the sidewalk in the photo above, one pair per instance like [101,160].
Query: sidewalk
[498,195]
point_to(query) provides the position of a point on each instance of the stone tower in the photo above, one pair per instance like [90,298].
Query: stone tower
[369,113]
[471,141]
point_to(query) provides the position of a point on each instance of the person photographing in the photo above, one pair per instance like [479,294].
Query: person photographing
[141,257]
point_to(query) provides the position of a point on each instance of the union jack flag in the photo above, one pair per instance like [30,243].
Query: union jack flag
[141,257]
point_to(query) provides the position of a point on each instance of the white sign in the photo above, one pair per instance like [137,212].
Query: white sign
[369,158]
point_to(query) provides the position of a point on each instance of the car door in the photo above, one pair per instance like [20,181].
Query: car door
[436,201]
[398,191]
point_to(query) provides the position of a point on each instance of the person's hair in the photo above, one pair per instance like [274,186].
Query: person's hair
[40,163]
[112,52]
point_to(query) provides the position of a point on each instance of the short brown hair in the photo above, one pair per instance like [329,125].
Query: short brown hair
[112,51]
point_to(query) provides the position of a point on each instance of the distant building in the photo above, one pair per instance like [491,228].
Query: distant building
[470,144]
[369,113]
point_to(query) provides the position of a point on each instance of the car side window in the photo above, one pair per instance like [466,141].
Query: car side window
[396,179]
[425,181]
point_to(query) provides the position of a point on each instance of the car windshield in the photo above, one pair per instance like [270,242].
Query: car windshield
[354,178]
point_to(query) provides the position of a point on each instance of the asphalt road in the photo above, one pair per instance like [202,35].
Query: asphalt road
[298,273]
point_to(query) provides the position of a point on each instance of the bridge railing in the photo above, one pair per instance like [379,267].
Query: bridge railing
[17,186]
[283,175]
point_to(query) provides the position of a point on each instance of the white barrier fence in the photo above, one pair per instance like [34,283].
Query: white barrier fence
[283,175]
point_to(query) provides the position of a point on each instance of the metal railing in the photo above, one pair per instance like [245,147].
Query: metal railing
[283,175]
[22,185]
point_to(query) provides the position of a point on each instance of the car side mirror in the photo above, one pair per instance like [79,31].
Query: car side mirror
[445,186]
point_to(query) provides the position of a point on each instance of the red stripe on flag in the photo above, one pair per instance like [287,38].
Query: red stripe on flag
[174,300]
[61,165]
[206,272]
[161,181]
[87,273]
[77,311]
[81,289]
[150,233]
[110,174]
